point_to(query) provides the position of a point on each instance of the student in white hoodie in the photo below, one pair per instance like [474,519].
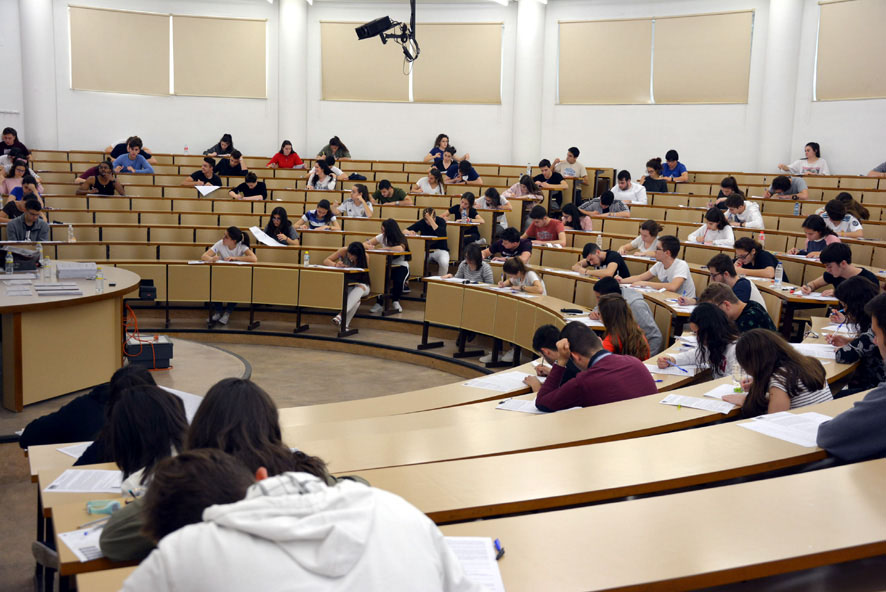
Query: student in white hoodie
[742,213]
[290,532]
[715,231]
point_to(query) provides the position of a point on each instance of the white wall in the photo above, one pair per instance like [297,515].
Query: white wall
[11,104]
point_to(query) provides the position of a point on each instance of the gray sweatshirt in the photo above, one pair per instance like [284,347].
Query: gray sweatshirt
[644,318]
[857,433]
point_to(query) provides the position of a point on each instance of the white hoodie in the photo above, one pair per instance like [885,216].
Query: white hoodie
[293,532]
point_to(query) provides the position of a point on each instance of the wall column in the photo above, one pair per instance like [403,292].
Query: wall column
[292,74]
[529,65]
[38,74]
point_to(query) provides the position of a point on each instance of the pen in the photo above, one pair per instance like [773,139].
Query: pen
[660,380]
[91,522]
[499,550]
[670,363]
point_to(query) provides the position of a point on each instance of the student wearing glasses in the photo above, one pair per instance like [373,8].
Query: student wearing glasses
[280,228]
[754,261]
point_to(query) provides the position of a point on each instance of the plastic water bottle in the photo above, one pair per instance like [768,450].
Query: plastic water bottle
[529,168]
[307,258]
[10,264]
[40,253]
[99,280]
[47,269]
[797,209]
[762,238]
[599,240]
[779,274]
[187,150]
[71,238]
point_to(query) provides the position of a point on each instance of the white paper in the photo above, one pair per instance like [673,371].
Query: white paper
[17,282]
[477,558]
[816,350]
[689,339]
[75,450]
[501,381]
[262,237]
[59,293]
[586,321]
[699,403]
[844,329]
[691,370]
[521,405]
[206,189]
[196,262]
[723,389]
[84,542]
[687,308]
[192,402]
[797,428]
[563,271]
[86,481]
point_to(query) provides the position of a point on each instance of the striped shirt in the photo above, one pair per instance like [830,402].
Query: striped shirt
[802,396]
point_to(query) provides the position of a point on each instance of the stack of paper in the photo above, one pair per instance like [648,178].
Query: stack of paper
[206,189]
[263,238]
[691,370]
[477,558]
[698,403]
[84,542]
[75,450]
[75,270]
[798,428]
[86,481]
[522,405]
[60,289]
[816,350]
[724,389]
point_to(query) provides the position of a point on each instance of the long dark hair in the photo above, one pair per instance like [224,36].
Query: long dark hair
[393,235]
[493,197]
[625,334]
[439,139]
[731,183]
[238,235]
[285,144]
[763,353]
[324,203]
[817,224]
[716,215]
[855,293]
[146,425]
[852,206]
[575,216]
[239,417]
[715,334]
[336,141]
[528,182]
[474,255]
[438,176]
[356,249]
[285,222]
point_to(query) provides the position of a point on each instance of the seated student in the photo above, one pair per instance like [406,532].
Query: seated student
[224,146]
[544,229]
[627,191]
[722,270]
[233,166]
[652,181]
[12,210]
[716,336]
[29,189]
[492,200]
[11,141]
[19,171]
[339,174]
[392,238]
[520,277]
[92,171]
[623,334]
[639,308]
[446,163]
[280,228]
[813,164]
[433,225]
[744,214]
[233,246]
[746,315]
[571,168]
[854,294]
[604,377]
[787,188]
[358,205]
[672,274]
[853,207]
[321,177]
[354,255]
[292,527]
[464,211]
[433,184]
[286,158]
[29,226]
[753,261]
[335,147]
[122,147]
[132,161]
[83,418]
[598,262]
[673,170]
[837,259]
[103,183]
[467,175]
[858,434]
[147,425]
[9,159]
[728,187]
[646,241]
[715,231]
[552,180]
[251,189]
[878,171]
[524,187]
[320,218]
[205,176]
[473,268]
[440,144]
[781,378]
[544,342]
[509,244]
[848,225]
[388,194]
[818,236]
[574,219]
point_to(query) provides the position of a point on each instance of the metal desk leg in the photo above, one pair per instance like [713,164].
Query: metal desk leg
[425,344]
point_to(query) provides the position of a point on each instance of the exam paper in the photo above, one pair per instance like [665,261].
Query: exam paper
[75,450]
[586,321]
[698,403]
[262,237]
[502,381]
[521,405]
[84,542]
[797,428]
[86,481]
[844,329]
[673,370]
[477,558]
[724,389]
[206,189]
[816,350]
[192,402]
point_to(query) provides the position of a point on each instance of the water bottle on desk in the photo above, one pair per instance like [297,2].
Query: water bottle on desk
[797,209]
[10,264]
[599,240]
[40,253]
[762,238]
[187,150]
[99,280]
[779,275]
[71,238]
[47,269]
[307,258]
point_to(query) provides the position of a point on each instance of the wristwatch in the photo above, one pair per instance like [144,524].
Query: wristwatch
[795,197]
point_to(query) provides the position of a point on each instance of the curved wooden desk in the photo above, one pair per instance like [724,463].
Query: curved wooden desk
[54,345]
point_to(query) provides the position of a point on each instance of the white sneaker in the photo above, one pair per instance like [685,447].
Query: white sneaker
[215,317]
[376,308]
[396,306]
[224,319]
[486,359]
[508,356]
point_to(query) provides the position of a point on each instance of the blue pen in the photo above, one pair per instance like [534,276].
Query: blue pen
[499,550]
[670,363]
[660,380]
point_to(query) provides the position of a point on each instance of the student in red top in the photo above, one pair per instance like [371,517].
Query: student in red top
[544,229]
[623,335]
[287,158]
[604,378]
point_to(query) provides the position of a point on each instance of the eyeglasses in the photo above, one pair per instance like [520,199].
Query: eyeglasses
[276,218]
